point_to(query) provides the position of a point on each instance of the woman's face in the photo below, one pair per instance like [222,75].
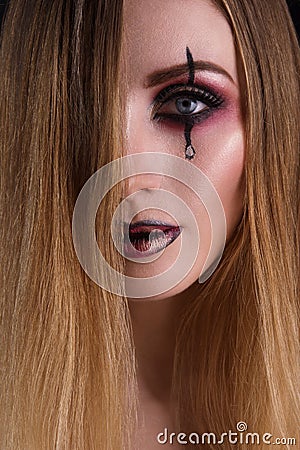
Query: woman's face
[165,99]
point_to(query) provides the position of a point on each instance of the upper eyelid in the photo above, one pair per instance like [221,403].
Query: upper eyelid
[182,89]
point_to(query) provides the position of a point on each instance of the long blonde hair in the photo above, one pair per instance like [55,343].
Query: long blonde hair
[66,345]
[67,358]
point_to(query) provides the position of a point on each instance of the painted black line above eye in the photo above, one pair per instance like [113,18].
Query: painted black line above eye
[191,66]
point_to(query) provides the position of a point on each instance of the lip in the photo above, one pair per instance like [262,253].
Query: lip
[139,243]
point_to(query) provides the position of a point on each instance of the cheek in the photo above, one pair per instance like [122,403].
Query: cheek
[221,158]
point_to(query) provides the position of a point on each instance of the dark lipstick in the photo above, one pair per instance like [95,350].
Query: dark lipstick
[148,237]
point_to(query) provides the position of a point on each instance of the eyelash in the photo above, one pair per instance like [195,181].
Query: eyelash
[194,92]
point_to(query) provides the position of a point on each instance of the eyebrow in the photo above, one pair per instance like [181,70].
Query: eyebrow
[161,76]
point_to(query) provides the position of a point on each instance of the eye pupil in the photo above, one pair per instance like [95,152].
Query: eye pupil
[186,105]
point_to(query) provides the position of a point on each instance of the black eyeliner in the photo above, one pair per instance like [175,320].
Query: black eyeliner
[192,90]
[211,98]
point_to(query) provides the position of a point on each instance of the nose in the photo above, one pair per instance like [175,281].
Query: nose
[144,182]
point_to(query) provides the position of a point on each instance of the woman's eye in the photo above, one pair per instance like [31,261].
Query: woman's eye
[184,103]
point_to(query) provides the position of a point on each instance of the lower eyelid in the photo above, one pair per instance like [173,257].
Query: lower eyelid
[184,119]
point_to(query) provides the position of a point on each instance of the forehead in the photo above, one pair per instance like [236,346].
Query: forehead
[158,32]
